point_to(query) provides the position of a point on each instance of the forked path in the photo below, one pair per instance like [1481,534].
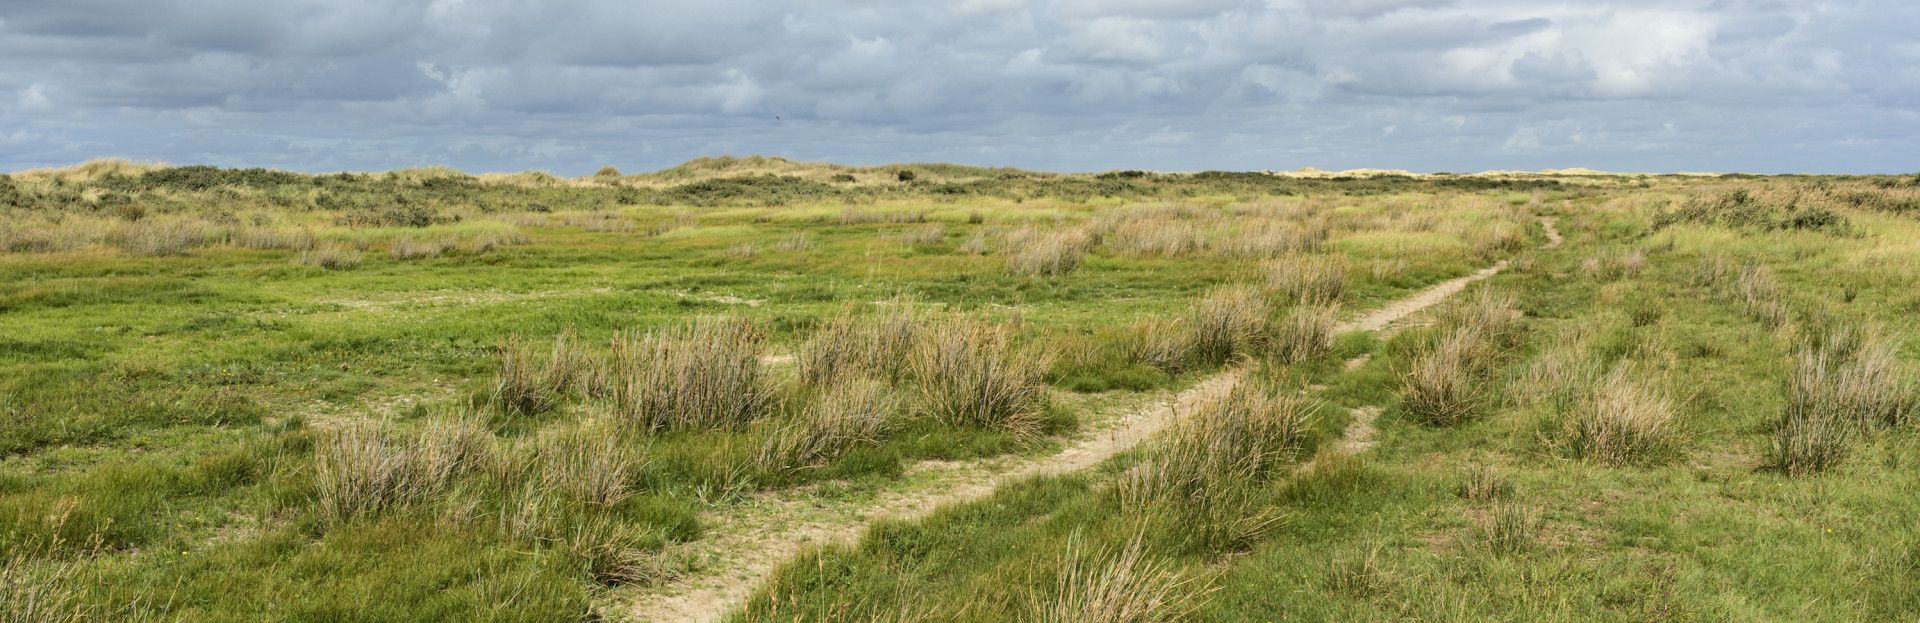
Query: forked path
[751,540]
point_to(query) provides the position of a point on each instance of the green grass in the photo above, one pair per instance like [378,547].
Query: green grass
[162,415]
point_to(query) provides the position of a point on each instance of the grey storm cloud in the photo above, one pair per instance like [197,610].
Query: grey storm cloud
[567,85]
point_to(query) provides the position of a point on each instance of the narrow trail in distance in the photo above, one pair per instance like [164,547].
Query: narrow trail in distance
[751,540]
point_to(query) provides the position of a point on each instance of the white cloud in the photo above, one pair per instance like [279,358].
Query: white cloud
[1436,84]
[34,98]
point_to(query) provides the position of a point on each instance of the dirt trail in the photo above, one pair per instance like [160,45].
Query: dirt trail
[1379,319]
[1553,233]
[1359,434]
[750,541]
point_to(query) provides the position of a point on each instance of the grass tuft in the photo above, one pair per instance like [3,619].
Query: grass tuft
[364,469]
[1619,421]
[1842,386]
[878,344]
[1484,484]
[1104,586]
[1440,387]
[840,417]
[1309,279]
[1241,438]
[1163,342]
[1033,253]
[705,375]
[530,384]
[1306,332]
[331,257]
[971,374]
[410,248]
[1229,321]
[1509,529]
[589,463]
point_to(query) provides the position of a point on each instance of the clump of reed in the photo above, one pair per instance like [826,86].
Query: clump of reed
[1304,332]
[365,468]
[704,375]
[1229,321]
[332,257]
[1034,253]
[971,373]
[840,416]
[1310,279]
[878,344]
[410,248]
[1102,586]
[531,382]
[1845,384]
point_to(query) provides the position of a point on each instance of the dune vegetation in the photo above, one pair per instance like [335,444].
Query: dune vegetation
[753,389]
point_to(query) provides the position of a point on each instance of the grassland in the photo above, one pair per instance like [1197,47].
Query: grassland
[420,395]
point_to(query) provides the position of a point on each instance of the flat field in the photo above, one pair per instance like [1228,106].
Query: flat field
[758,390]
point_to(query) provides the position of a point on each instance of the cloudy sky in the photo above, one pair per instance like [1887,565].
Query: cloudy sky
[568,85]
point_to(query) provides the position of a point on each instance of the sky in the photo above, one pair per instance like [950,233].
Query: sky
[1073,85]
